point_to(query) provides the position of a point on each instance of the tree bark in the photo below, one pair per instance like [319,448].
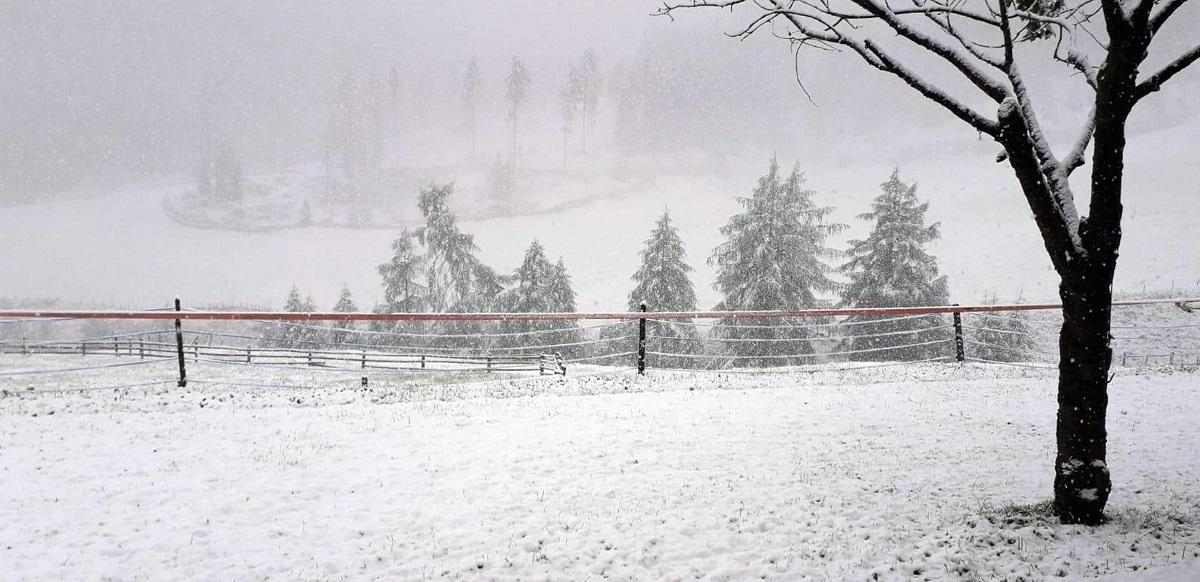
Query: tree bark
[1081,478]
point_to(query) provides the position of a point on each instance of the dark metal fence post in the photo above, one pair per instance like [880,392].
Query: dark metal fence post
[960,352]
[179,347]
[641,348]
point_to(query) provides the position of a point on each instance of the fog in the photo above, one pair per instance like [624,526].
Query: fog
[108,109]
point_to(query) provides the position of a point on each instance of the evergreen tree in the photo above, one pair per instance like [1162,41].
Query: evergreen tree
[662,283]
[589,77]
[891,268]
[516,94]
[449,253]
[472,83]
[571,101]
[773,259]
[403,291]
[1000,337]
[291,334]
[562,296]
[539,286]
[343,329]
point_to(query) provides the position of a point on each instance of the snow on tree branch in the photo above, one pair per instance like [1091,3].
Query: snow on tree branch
[1155,81]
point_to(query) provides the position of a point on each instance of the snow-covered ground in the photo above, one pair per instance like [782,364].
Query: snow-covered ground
[908,472]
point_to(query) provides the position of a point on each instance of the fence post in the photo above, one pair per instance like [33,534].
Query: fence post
[960,352]
[179,346]
[489,363]
[83,349]
[116,347]
[142,348]
[364,358]
[249,355]
[641,348]
[24,346]
[423,361]
[196,349]
[1124,359]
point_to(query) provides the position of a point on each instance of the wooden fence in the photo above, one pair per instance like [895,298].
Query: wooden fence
[195,351]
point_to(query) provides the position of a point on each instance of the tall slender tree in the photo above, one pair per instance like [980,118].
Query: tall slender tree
[472,87]
[449,253]
[891,268]
[403,287]
[774,257]
[663,283]
[516,93]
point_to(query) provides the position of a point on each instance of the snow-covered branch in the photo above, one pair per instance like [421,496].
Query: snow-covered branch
[986,83]
[1155,81]
[1075,157]
[881,60]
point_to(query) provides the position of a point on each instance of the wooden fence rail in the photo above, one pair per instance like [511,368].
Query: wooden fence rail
[328,358]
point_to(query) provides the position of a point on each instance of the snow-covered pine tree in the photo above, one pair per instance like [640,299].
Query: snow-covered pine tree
[449,253]
[773,258]
[403,290]
[663,284]
[539,286]
[891,268]
[1000,337]
[295,334]
[455,278]
[343,330]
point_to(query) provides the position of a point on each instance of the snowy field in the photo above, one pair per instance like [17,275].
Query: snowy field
[911,472]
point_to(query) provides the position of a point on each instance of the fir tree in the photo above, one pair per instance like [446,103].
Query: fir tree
[773,259]
[539,286]
[662,284]
[1000,337]
[403,291]
[449,253]
[294,335]
[343,329]
[516,93]
[571,100]
[589,75]
[472,84]
[402,275]
[891,268]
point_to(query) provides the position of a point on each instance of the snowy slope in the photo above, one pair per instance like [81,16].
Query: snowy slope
[673,476]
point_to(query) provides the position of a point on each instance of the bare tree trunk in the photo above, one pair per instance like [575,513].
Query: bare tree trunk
[1081,478]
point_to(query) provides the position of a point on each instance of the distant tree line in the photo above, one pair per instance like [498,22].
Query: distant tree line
[776,255]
